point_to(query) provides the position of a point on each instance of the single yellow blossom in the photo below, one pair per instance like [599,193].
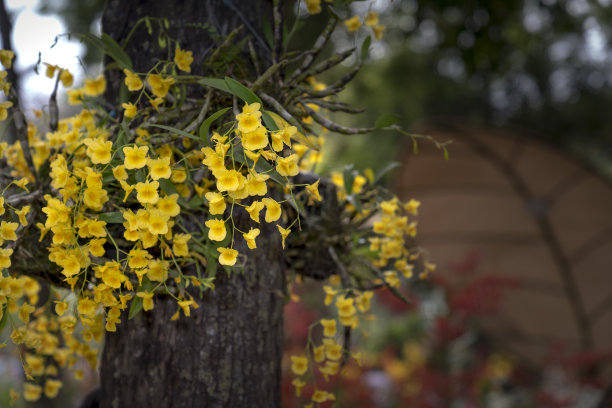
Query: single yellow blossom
[299,365]
[147,300]
[132,81]
[284,233]
[353,24]
[273,209]
[130,109]
[183,59]
[250,237]
[217,230]
[228,256]
[147,192]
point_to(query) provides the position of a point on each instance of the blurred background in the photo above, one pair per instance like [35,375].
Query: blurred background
[518,311]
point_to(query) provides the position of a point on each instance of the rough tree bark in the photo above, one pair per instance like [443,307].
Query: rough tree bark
[228,353]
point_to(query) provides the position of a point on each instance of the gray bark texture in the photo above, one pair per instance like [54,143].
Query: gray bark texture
[228,353]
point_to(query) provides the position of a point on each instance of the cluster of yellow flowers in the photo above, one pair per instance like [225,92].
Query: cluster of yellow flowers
[6,59]
[104,175]
[354,23]
[50,338]
[387,242]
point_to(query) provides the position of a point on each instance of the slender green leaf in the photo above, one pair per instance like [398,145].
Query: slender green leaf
[4,317]
[175,131]
[353,199]
[209,121]
[116,52]
[349,176]
[135,307]
[267,32]
[242,91]
[112,217]
[386,120]
[382,172]
[365,47]
[269,122]
[215,83]
[168,187]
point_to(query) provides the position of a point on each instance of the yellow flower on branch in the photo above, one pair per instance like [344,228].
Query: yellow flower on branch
[31,392]
[66,78]
[179,244]
[371,19]
[216,203]
[329,327]
[254,209]
[130,110]
[98,150]
[159,168]
[135,157]
[7,231]
[183,59]
[299,365]
[4,106]
[287,166]
[132,81]
[284,233]
[250,237]
[52,388]
[228,256]
[273,209]
[217,230]
[379,31]
[313,6]
[159,86]
[6,58]
[147,300]
[5,257]
[147,192]
[95,87]
[353,23]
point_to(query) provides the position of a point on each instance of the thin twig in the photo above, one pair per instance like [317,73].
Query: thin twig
[334,127]
[224,44]
[333,106]
[197,121]
[317,48]
[280,109]
[53,109]
[326,65]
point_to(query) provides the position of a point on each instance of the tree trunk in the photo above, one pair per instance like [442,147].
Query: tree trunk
[228,353]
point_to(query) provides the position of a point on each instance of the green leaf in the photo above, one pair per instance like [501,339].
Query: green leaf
[270,123]
[242,91]
[135,307]
[4,317]
[110,47]
[112,217]
[215,83]
[211,263]
[365,47]
[386,120]
[116,52]
[382,172]
[267,32]
[175,131]
[195,202]
[209,121]
[168,187]
[349,176]
[353,199]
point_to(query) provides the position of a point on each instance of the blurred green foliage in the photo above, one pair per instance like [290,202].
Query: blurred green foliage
[540,65]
